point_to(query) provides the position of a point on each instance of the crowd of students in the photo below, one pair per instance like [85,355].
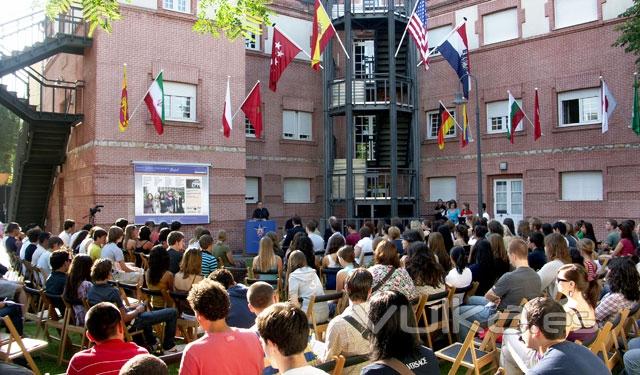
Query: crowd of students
[383,270]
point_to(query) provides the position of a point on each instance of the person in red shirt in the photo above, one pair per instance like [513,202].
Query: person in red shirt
[106,329]
[353,235]
[466,213]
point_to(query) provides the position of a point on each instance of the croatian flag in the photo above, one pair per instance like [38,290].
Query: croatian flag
[456,51]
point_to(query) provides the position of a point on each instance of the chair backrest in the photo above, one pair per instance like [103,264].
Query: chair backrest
[335,365]
[25,350]
[239,273]
[599,346]
[181,303]
[164,294]
[330,277]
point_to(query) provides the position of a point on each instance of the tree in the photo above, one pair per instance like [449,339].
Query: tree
[9,128]
[630,38]
[233,17]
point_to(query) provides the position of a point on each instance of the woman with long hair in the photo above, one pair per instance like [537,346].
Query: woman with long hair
[78,285]
[523,229]
[427,274]
[387,273]
[75,246]
[624,285]
[511,225]
[587,251]
[625,246]
[500,257]
[460,275]
[462,235]
[483,267]
[446,236]
[129,243]
[143,244]
[557,251]
[330,258]
[190,271]
[303,282]
[395,348]
[347,260]
[266,265]
[276,243]
[435,243]
[158,276]
[587,231]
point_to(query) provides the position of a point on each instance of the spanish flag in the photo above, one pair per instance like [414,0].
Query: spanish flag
[123,124]
[446,123]
[323,31]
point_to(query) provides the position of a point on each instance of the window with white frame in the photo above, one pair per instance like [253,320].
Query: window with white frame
[442,188]
[252,42]
[498,117]
[252,190]
[179,101]
[433,125]
[296,125]
[500,26]
[249,131]
[574,12]
[579,107]
[183,6]
[436,35]
[297,190]
[581,186]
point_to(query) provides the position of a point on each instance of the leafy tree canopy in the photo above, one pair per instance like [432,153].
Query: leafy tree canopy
[233,17]
[9,128]
[630,29]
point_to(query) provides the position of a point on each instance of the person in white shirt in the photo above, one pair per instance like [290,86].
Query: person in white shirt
[69,228]
[26,242]
[318,242]
[43,243]
[363,248]
[460,275]
[304,282]
[55,243]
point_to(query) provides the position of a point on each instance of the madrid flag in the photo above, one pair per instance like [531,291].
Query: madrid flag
[227,121]
[155,103]
[283,51]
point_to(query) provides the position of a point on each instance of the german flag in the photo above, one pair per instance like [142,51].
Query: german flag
[446,123]
[323,31]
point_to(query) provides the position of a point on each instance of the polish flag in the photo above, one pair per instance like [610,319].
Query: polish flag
[227,121]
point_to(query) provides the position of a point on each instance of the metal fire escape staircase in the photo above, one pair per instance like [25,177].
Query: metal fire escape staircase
[48,107]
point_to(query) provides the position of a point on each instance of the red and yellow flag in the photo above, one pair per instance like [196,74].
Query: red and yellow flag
[323,31]
[446,123]
[123,124]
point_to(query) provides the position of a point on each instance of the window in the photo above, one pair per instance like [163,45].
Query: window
[183,6]
[574,12]
[249,131]
[296,125]
[252,42]
[179,101]
[500,26]
[498,117]
[581,186]
[436,35]
[252,194]
[579,107]
[433,125]
[442,188]
[297,190]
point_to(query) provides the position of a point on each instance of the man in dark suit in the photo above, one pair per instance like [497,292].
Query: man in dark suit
[297,227]
[260,212]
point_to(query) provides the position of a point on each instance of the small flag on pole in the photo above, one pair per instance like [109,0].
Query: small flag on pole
[123,124]
[418,29]
[154,99]
[455,49]
[323,31]
[537,130]
[251,109]
[446,123]
[609,105]
[227,121]
[516,116]
[464,137]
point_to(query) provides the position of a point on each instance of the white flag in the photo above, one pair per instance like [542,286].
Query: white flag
[609,104]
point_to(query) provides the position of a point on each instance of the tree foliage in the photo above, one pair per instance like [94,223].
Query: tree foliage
[9,128]
[234,18]
[630,29]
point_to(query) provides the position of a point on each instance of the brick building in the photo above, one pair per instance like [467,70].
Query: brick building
[559,46]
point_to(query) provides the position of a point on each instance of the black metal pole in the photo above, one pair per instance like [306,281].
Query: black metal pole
[478,146]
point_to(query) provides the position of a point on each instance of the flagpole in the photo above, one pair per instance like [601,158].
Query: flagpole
[336,32]
[405,28]
[450,115]
[245,99]
[443,40]
[145,94]
[294,43]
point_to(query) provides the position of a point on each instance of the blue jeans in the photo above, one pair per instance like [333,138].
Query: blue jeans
[15,314]
[632,357]
[474,310]
[148,319]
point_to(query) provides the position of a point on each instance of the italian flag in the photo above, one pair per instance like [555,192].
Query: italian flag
[154,99]
[516,116]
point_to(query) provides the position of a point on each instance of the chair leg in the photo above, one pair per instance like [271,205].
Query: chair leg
[63,344]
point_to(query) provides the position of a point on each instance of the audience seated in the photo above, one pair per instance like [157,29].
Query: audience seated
[239,315]
[284,330]
[267,261]
[482,266]
[99,240]
[543,324]
[303,283]
[222,349]
[396,348]
[346,258]
[260,296]
[632,357]
[144,364]
[190,271]
[537,257]
[557,251]
[509,290]
[623,282]
[363,249]
[331,256]
[387,273]
[348,333]
[101,291]
[427,274]
[105,329]
[32,244]
[436,246]
[78,285]
[54,244]
[121,271]
[209,262]
[175,240]
[158,277]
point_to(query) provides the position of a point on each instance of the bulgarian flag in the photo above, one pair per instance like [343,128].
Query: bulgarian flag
[516,116]
[154,99]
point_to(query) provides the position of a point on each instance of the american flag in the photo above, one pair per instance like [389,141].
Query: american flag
[418,29]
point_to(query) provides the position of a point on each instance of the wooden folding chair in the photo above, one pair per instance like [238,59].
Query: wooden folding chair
[239,273]
[54,321]
[335,365]
[35,310]
[319,328]
[466,355]
[130,293]
[37,278]
[14,346]
[599,346]
[467,291]
[630,328]
[434,305]
[167,302]
[71,328]
[186,323]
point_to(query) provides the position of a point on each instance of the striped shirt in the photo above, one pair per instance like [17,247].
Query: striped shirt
[209,263]
[105,358]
